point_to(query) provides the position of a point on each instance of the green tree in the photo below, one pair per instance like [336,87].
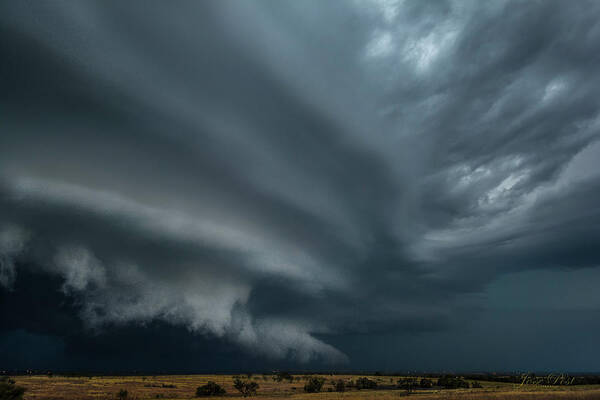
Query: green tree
[210,389]
[314,384]
[246,388]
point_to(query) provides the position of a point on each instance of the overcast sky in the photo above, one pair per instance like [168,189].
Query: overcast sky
[377,184]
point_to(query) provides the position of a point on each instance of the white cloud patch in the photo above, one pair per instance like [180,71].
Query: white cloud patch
[503,190]
[554,89]
[389,9]
[79,268]
[381,45]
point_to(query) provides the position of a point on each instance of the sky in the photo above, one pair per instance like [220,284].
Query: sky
[345,185]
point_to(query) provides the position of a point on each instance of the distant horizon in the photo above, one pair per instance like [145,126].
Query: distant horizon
[293,372]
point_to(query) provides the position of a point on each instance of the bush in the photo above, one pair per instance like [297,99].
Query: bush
[246,388]
[282,375]
[408,384]
[365,383]
[122,395]
[210,389]
[9,391]
[339,385]
[476,385]
[451,382]
[314,385]
[426,383]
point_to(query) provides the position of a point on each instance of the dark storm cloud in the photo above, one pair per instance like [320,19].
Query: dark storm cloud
[274,173]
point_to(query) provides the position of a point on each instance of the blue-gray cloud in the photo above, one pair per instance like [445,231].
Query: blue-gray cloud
[273,173]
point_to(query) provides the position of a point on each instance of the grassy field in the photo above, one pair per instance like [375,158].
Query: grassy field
[184,387]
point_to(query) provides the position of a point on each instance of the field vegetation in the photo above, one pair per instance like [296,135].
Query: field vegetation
[288,386]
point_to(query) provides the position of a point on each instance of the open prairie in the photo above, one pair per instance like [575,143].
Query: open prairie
[184,387]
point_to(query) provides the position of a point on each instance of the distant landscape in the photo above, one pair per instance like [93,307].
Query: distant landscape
[306,386]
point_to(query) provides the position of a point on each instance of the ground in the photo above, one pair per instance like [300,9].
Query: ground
[184,387]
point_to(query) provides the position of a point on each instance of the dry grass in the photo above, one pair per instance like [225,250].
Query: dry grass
[149,387]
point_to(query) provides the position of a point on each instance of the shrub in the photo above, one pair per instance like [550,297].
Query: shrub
[365,383]
[314,385]
[9,391]
[476,385]
[408,384]
[451,382]
[339,385]
[122,395]
[210,389]
[282,375]
[426,383]
[246,388]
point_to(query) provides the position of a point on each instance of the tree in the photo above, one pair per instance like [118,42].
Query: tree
[314,385]
[246,388]
[365,383]
[210,389]
[10,391]
[122,395]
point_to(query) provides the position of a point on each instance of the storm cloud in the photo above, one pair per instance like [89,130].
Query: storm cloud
[284,175]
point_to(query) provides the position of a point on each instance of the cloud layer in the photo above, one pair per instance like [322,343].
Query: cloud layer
[275,172]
